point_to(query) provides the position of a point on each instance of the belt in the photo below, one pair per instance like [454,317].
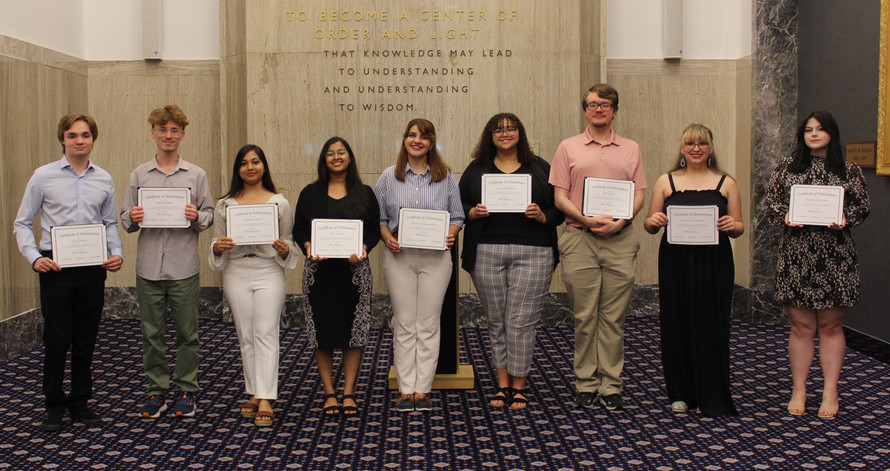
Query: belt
[587,230]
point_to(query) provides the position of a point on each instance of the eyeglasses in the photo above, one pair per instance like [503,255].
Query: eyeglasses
[341,153]
[508,129]
[701,145]
[175,132]
[593,106]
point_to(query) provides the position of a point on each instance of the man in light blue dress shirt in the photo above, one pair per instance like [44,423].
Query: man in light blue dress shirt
[70,191]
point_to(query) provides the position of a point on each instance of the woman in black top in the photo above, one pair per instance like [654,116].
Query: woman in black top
[510,255]
[338,291]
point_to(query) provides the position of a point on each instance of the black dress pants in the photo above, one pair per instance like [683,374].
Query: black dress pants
[71,301]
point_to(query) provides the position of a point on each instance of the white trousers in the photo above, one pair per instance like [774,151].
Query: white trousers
[417,280]
[254,288]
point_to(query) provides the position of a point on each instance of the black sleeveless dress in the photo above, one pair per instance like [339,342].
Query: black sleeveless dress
[695,285]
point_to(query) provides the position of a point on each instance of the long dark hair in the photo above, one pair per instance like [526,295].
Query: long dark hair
[236,187]
[438,168]
[485,150]
[834,158]
[356,200]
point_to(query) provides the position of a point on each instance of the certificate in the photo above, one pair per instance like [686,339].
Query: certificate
[423,228]
[164,207]
[604,197]
[816,205]
[252,224]
[693,225]
[505,193]
[336,238]
[79,246]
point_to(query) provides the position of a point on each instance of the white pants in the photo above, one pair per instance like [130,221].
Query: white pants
[417,280]
[254,288]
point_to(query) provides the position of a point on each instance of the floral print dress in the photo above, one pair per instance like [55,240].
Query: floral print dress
[817,266]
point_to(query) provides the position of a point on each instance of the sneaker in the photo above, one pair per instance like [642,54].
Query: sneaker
[612,402]
[423,404]
[405,403]
[679,406]
[52,421]
[81,413]
[154,407]
[584,400]
[185,404]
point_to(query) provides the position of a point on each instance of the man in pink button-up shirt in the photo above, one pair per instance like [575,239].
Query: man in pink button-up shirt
[598,253]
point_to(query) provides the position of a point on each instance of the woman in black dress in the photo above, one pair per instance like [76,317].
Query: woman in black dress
[338,291]
[696,281]
[818,274]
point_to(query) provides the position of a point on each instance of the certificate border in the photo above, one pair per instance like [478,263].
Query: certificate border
[357,222]
[716,240]
[840,209]
[528,187]
[188,198]
[429,247]
[247,206]
[57,229]
[630,207]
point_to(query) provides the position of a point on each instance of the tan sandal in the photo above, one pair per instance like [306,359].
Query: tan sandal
[798,404]
[829,408]
[249,409]
[264,418]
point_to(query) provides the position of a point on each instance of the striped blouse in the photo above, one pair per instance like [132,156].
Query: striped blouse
[416,192]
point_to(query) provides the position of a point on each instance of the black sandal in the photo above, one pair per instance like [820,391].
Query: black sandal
[348,410]
[329,410]
[519,400]
[505,395]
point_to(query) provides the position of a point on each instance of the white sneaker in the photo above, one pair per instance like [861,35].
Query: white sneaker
[679,406]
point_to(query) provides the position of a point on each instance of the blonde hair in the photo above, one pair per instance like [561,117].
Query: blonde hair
[167,114]
[699,133]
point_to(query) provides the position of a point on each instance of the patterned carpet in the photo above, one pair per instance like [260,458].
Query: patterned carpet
[462,432]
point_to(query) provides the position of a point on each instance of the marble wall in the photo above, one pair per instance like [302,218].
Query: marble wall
[658,99]
[37,87]
[268,88]
[121,96]
[774,104]
[298,73]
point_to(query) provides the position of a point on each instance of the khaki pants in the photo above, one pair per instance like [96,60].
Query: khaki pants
[599,277]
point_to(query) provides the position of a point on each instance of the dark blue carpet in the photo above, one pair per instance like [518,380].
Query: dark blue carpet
[462,432]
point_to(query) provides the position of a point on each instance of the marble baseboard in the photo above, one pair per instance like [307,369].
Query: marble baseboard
[20,334]
[23,333]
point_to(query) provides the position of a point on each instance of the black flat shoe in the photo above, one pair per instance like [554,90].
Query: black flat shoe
[348,410]
[52,421]
[330,410]
[505,395]
[520,396]
[81,413]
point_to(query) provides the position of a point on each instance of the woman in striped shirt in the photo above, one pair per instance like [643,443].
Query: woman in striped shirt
[417,279]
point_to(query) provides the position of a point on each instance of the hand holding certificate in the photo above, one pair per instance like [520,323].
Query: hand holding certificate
[605,197]
[816,205]
[336,238]
[164,207]
[506,193]
[252,224]
[79,246]
[423,228]
[693,225]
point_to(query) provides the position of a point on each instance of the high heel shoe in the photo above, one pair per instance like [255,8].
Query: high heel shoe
[798,404]
[829,408]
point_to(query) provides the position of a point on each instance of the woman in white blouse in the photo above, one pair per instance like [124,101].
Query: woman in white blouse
[417,278]
[253,280]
